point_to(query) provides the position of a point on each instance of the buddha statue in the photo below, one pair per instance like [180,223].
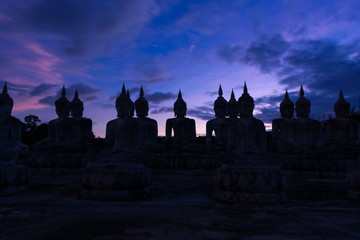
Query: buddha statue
[122,132]
[184,128]
[64,132]
[250,132]
[147,127]
[341,130]
[10,130]
[77,108]
[282,130]
[219,124]
[307,131]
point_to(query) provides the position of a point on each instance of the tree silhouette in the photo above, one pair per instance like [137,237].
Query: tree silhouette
[32,121]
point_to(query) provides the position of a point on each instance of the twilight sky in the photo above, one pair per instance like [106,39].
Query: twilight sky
[94,46]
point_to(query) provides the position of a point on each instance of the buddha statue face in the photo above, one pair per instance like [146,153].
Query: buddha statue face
[302,110]
[246,109]
[141,110]
[62,109]
[233,110]
[220,110]
[180,111]
[77,110]
[287,107]
[123,109]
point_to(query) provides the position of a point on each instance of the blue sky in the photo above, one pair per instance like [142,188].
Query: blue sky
[94,46]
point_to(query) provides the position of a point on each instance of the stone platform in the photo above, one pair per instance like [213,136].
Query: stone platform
[249,184]
[13,180]
[114,180]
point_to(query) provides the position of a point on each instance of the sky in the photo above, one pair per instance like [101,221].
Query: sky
[95,46]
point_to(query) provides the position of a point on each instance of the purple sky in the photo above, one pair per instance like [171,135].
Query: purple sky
[95,46]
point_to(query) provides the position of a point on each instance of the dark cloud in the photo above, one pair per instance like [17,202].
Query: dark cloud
[152,72]
[41,89]
[158,110]
[158,97]
[229,53]
[212,93]
[86,92]
[202,112]
[83,27]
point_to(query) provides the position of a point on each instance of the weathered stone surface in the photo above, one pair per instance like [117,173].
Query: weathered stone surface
[257,184]
[13,180]
[115,181]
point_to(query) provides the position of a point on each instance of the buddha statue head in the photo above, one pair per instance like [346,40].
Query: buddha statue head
[246,104]
[233,106]
[302,105]
[62,105]
[132,103]
[141,105]
[342,107]
[286,107]
[123,104]
[180,106]
[220,105]
[77,106]
[6,103]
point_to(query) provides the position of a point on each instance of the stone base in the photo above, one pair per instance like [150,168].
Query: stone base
[314,185]
[115,195]
[353,181]
[249,184]
[115,181]
[13,180]
[247,197]
[55,171]
[57,160]
[182,161]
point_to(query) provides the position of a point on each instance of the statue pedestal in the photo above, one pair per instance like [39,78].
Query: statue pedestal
[249,183]
[13,180]
[353,180]
[115,180]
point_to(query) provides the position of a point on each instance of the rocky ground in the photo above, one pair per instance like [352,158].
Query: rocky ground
[180,207]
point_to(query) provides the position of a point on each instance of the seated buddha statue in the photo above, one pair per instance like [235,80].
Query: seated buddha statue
[282,130]
[10,130]
[64,133]
[341,130]
[184,128]
[307,132]
[122,132]
[85,124]
[219,124]
[148,129]
[250,134]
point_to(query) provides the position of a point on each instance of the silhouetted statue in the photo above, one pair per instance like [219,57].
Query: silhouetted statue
[282,129]
[342,131]
[250,134]
[10,130]
[219,124]
[13,178]
[147,127]
[184,128]
[85,124]
[122,133]
[307,131]
[64,132]
[132,103]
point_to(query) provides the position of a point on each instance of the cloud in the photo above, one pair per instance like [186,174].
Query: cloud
[158,110]
[158,97]
[81,27]
[41,89]
[152,71]
[229,53]
[86,91]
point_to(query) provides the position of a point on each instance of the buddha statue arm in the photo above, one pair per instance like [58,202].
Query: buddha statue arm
[261,137]
[109,135]
[155,133]
[14,134]
[192,131]
[209,130]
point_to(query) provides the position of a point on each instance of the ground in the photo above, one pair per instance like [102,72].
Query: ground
[180,207]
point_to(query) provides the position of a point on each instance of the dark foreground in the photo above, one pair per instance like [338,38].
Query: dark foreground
[181,207]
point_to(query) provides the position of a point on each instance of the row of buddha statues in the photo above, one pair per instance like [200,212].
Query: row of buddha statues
[234,125]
